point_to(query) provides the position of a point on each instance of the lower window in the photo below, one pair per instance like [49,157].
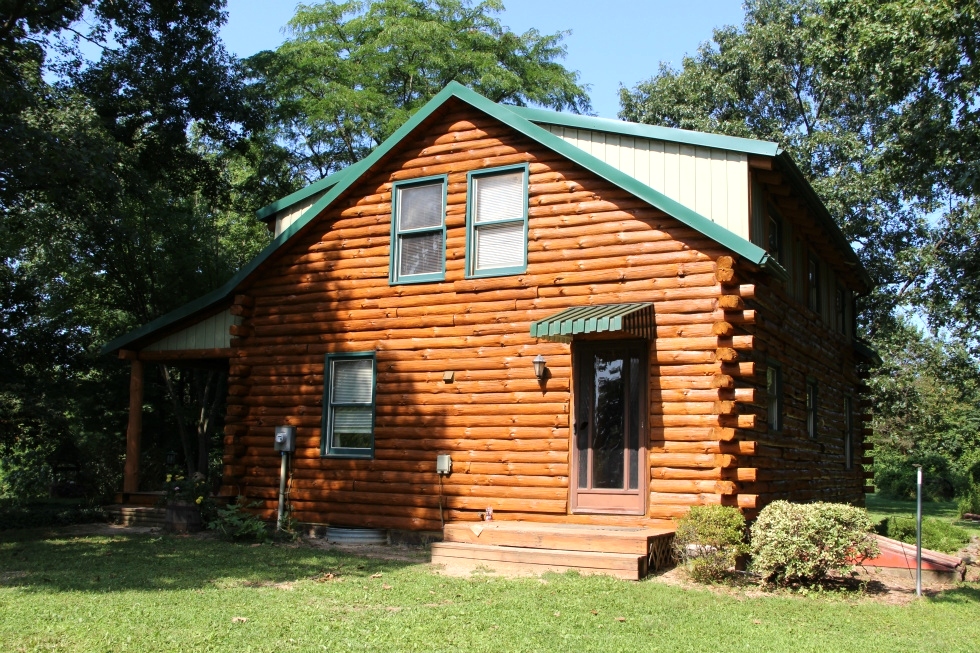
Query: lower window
[348,401]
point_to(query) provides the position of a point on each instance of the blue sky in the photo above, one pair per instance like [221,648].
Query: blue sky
[612,42]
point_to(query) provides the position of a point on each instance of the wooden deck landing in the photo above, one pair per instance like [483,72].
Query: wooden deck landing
[521,548]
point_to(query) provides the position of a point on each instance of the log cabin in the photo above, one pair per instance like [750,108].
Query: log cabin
[601,323]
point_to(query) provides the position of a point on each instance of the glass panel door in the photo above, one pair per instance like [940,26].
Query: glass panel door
[610,408]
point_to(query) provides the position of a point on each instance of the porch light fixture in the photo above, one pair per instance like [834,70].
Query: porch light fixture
[540,367]
[171,458]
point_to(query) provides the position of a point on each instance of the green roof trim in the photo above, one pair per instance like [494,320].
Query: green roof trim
[786,165]
[674,135]
[341,181]
[595,318]
[300,195]
[864,350]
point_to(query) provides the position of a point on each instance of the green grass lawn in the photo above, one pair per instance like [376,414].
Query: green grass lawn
[130,592]
[879,507]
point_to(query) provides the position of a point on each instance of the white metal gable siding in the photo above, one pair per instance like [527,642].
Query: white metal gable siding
[289,215]
[712,182]
[212,333]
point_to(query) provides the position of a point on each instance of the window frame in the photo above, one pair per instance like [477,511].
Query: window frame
[777,396]
[774,223]
[471,226]
[813,296]
[812,403]
[848,433]
[840,310]
[327,450]
[394,256]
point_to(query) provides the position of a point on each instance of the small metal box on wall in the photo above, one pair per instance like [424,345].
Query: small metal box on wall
[285,441]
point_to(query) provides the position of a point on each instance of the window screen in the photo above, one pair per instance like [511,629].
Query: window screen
[498,218]
[418,234]
[348,422]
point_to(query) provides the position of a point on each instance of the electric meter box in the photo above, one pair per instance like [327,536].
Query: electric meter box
[444,464]
[285,439]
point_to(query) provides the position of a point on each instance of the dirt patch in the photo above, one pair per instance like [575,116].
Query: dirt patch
[396,552]
[860,585]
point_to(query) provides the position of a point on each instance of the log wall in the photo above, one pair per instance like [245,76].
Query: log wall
[588,243]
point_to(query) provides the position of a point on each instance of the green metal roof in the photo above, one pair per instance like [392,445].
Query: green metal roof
[300,195]
[701,139]
[636,317]
[341,181]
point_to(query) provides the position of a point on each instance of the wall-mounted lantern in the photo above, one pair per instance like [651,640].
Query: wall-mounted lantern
[540,367]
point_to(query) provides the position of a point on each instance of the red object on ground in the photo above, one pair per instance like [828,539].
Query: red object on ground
[898,555]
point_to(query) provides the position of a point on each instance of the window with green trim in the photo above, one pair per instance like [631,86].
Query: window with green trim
[496,221]
[348,405]
[774,394]
[418,231]
[848,434]
[811,408]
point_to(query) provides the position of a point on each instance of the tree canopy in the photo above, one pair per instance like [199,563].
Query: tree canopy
[134,151]
[352,72]
[879,103]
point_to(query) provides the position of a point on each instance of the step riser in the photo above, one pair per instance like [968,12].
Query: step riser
[462,556]
[598,544]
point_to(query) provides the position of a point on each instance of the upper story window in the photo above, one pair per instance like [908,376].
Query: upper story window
[813,284]
[347,429]
[496,222]
[840,311]
[418,231]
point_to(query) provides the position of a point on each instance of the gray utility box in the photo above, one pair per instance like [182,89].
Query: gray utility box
[285,439]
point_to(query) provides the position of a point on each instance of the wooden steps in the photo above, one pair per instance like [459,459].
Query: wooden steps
[517,548]
[137,515]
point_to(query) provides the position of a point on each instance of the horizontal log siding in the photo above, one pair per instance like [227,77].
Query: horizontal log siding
[589,243]
[788,464]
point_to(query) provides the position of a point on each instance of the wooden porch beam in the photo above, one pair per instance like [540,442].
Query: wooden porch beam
[134,431]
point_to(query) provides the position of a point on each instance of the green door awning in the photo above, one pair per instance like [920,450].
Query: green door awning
[635,318]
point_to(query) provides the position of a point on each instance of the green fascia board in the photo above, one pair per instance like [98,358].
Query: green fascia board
[671,134]
[506,115]
[294,198]
[786,165]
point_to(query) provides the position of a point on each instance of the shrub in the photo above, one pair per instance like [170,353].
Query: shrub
[804,542]
[709,540]
[49,512]
[969,501]
[25,475]
[234,522]
[895,476]
[937,534]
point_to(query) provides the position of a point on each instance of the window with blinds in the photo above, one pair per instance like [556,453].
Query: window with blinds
[348,400]
[418,233]
[497,220]
[774,397]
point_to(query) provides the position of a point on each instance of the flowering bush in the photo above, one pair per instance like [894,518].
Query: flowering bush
[804,542]
[192,490]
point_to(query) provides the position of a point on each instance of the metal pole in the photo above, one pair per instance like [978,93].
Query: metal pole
[918,531]
[282,490]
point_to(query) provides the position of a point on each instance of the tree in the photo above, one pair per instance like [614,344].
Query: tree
[879,103]
[121,212]
[353,72]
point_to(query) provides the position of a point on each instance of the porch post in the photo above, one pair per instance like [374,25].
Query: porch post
[131,473]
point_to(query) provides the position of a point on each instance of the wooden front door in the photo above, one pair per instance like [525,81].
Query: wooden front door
[609,457]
